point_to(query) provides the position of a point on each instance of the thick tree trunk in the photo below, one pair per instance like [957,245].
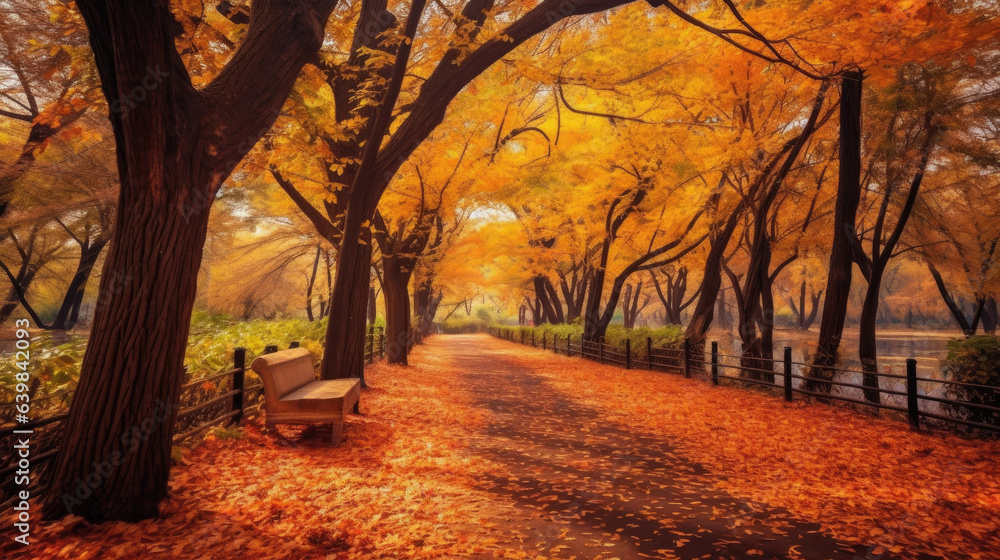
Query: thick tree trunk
[175,146]
[838,284]
[344,355]
[115,456]
[396,274]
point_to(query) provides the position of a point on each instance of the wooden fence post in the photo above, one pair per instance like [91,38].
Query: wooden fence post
[544,343]
[715,363]
[600,344]
[649,352]
[788,373]
[532,339]
[239,374]
[687,358]
[628,353]
[569,349]
[381,343]
[912,409]
[294,344]
[270,349]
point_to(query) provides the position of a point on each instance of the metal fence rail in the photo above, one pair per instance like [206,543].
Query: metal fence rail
[907,395]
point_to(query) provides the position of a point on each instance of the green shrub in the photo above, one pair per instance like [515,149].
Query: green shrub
[459,325]
[974,360]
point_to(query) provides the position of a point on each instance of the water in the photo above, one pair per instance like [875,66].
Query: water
[929,348]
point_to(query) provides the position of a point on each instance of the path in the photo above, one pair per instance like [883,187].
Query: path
[483,449]
[604,487]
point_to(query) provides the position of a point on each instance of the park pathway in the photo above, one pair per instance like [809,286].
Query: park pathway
[606,489]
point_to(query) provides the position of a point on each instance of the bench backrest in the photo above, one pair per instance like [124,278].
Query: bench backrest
[284,372]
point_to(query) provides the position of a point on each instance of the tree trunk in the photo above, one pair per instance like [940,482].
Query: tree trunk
[711,281]
[956,311]
[344,354]
[175,147]
[867,348]
[767,324]
[25,276]
[310,285]
[396,274]
[115,455]
[70,309]
[372,311]
[838,284]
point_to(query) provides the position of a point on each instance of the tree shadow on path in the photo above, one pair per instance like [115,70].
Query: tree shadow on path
[609,491]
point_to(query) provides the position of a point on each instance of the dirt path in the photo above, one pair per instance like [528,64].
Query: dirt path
[603,487]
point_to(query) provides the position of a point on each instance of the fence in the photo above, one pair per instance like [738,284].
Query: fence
[206,402]
[919,399]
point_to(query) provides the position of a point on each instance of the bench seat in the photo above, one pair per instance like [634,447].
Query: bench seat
[292,395]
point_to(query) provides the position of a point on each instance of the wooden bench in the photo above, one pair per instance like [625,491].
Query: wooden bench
[292,395]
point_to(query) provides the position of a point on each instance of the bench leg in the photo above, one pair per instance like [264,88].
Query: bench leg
[336,433]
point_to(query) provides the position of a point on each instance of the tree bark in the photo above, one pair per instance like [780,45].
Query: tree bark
[838,284]
[175,146]
[396,273]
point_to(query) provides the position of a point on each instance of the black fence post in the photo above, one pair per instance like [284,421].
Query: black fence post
[555,343]
[911,394]
[239,374]
[544,343]
[294,344]
[522,338]
[788,373]
[649,352]
[381,344]
[532,339]
[569,349]
[270,349]
[600,344]
[628,353]
[715,363]
[687,358]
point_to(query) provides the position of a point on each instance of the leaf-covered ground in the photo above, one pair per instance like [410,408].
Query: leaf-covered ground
[485,449]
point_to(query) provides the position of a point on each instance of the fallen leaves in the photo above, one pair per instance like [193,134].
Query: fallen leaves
[490,450]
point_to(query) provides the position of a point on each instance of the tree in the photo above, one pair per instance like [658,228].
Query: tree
[176,144]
